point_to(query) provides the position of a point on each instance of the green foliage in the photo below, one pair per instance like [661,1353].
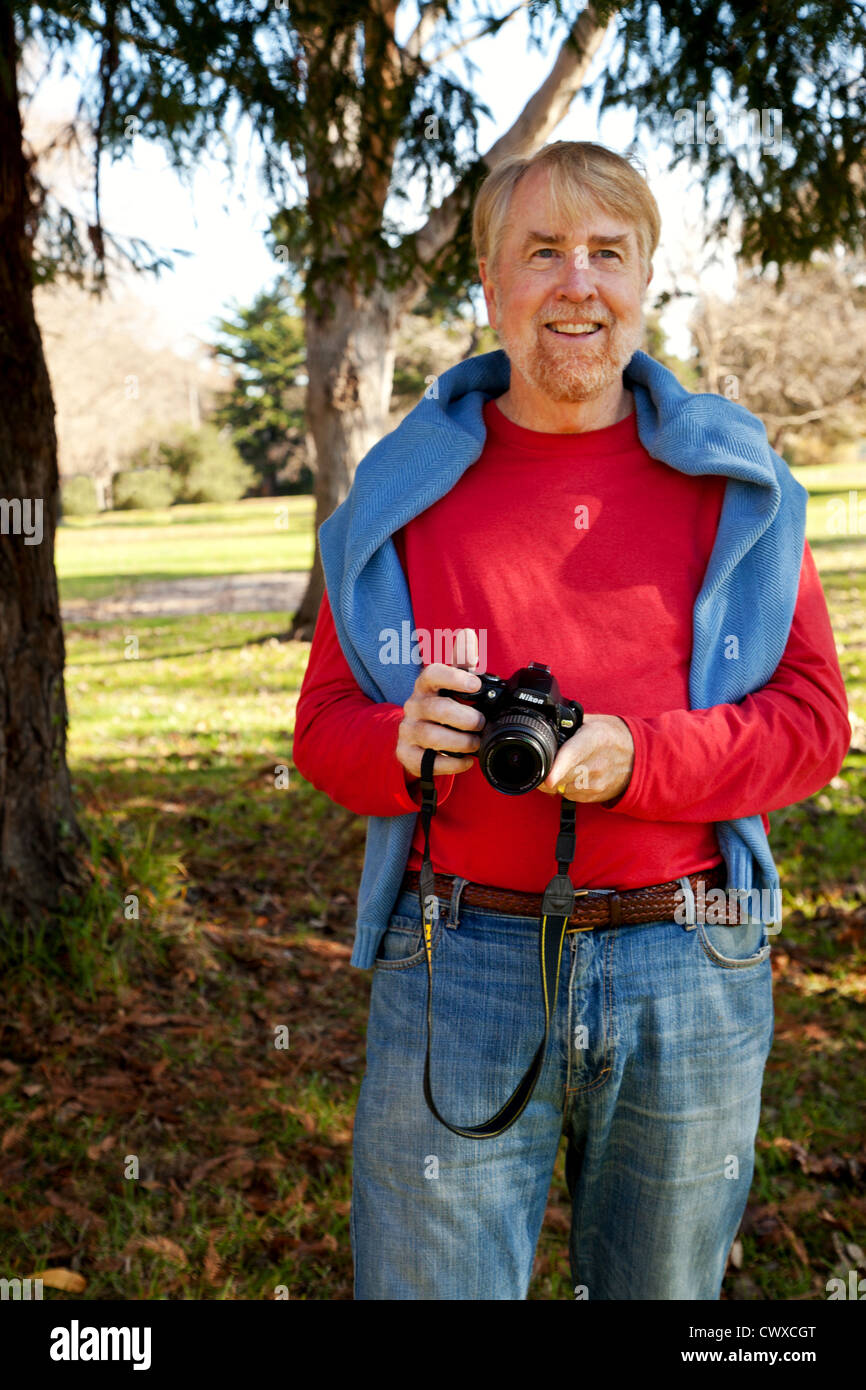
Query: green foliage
[656,346]
[264,344]
[202,466]
[792,171]
[78,496]
[147,488]
[325,87]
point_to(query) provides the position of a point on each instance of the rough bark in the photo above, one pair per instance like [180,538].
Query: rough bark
[350,363]
[39,836]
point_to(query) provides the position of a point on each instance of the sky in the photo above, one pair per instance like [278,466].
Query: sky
[222,222]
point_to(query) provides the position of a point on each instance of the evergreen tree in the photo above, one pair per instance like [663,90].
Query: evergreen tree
[264,344]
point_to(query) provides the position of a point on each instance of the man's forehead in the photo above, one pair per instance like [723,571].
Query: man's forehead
[532,215]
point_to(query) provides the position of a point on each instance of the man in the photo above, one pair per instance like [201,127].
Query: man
[565,501]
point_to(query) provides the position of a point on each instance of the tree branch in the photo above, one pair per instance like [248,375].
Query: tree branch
[540,116]
[778,421]
[425,28]
[493,24]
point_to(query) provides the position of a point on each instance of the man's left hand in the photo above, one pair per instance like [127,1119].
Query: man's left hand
[596,763]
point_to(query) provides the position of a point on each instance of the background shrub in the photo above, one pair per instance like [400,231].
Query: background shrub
[78,496]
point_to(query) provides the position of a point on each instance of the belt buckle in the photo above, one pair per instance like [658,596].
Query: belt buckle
[582,892]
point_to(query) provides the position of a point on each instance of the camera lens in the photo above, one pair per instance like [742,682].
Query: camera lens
[516,753]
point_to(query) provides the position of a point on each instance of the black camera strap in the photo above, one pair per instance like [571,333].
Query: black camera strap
[556,909]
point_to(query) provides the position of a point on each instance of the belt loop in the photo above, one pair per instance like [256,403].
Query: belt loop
[691,912]
[457,886]
[615,906]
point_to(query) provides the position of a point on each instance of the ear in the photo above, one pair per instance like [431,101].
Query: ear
[489,292]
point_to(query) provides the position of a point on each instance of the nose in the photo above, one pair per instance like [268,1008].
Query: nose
[576,276]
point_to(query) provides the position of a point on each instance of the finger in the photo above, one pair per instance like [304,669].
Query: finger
[466,647]
[566,777]
[439,709]
[429,735]
[450,677]
[444,766]
[557,775]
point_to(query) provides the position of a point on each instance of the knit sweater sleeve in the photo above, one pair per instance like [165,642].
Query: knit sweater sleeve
[344,742]
[780,744]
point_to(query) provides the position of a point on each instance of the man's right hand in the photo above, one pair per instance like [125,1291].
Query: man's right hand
[434,721]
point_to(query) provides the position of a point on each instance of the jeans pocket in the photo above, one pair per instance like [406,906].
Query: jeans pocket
[402,945]
[741,947]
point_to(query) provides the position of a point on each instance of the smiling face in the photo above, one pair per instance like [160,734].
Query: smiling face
[550,278]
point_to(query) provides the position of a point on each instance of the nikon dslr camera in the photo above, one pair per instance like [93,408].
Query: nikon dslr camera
[527,721]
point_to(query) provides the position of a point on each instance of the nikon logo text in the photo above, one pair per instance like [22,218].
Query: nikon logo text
[533,699]
[76,1343]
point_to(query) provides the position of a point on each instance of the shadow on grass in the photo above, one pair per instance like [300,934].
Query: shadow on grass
[180,1058]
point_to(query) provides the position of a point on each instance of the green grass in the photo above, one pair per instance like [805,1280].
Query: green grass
[144,1026]
[110,554]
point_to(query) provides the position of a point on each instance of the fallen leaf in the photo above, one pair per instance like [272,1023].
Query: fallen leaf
[81,1214]
[212,1262]
[66,1279]
[16,1132]
[160,1245]
[203,1168]
[95,1151]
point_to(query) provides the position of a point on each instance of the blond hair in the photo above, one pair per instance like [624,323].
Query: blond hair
[581,174]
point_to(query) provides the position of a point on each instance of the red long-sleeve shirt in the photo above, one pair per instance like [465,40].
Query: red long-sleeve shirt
[584,552]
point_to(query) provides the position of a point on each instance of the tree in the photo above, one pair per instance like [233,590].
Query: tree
[39,834]
[793,355]
[42,847]
[656,346]
[203,464]
[264,410]
[113,391]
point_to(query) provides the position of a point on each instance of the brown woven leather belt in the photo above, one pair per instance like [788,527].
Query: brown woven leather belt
[596,907]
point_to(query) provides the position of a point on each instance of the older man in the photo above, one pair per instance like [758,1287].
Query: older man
[565,501]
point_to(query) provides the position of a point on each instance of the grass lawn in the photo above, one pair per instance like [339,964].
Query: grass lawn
[109,554]
[179,1073]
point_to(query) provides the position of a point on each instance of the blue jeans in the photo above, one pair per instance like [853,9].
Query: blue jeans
[653,1071]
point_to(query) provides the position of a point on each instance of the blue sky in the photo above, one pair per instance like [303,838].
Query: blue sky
[222,222]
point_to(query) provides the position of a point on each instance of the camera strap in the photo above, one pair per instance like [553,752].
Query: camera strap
[556,908]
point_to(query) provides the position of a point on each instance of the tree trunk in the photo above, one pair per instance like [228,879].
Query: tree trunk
[350,365]
[39,835]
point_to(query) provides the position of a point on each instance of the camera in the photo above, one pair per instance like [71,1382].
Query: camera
[527,721]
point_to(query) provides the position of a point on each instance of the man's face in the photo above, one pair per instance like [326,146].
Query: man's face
[581,275]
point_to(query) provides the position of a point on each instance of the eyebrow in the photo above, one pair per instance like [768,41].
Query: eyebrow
[555,239]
